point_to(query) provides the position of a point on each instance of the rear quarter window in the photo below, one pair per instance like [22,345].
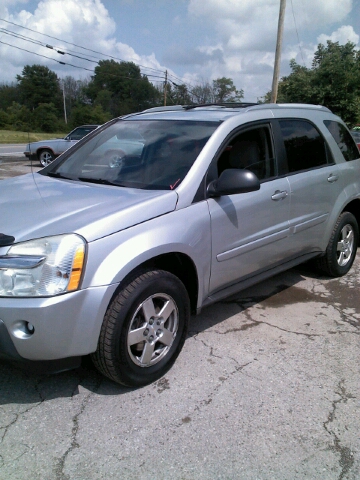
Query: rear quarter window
[344,140]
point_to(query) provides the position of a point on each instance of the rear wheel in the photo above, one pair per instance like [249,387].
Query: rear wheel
[144,329]
[46,157]
[341,250]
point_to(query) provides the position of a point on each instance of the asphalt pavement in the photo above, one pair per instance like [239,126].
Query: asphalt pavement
[16,164]
[266,388]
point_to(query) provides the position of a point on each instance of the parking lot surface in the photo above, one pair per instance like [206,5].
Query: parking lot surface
[266,387]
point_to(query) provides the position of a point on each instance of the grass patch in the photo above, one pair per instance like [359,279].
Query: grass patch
[10,136]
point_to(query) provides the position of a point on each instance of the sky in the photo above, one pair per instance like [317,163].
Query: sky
[194,41]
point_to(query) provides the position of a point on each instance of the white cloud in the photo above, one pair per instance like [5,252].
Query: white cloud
[240,40]
[82,23]
[247,33]
[342,35]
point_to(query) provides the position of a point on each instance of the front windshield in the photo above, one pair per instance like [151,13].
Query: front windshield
[148,154]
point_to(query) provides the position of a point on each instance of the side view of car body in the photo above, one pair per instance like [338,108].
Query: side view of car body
[193,204]
[47,150]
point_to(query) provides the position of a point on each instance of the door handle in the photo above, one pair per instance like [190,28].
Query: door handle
[278,195]
[332,178]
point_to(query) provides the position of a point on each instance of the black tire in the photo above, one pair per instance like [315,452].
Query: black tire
[341,250]
[138,345]
[46,156]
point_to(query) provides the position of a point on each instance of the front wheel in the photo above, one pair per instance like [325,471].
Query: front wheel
[341,250]
[144,329]
[46,157]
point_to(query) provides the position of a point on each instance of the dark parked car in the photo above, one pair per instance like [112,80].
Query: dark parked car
[47,150]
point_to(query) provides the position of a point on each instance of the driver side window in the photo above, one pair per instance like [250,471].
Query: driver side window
[251,150]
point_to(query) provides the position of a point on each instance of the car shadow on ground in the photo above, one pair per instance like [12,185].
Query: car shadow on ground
[23,387]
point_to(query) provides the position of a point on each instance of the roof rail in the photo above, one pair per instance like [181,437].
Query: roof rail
[294,105]
[200,105]
[221,104]
[162,109]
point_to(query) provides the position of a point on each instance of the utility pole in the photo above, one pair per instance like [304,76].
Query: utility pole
[63,89]
[274,89]
[165,87]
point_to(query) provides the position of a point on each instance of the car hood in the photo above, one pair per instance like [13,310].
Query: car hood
[33,206]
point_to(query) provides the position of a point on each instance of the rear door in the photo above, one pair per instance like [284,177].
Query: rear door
[315,184]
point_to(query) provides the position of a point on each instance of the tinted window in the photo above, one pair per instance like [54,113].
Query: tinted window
[79,133]
[305,147]
[344,140]
[251,150]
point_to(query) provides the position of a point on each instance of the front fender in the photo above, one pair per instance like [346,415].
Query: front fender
[187,231]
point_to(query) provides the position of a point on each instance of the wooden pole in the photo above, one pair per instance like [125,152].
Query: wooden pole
[165,87]
[274,89]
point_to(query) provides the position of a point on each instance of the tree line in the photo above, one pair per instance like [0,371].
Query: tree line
[40,101]
[333,80]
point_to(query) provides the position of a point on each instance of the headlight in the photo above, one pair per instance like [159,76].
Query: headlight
[42,267]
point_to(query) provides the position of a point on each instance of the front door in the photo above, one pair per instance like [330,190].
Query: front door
[250,231]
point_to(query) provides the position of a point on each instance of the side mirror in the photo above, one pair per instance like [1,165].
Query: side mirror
[233,181]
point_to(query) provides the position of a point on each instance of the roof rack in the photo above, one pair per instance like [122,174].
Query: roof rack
[199,105]
[221,104]
[162,109]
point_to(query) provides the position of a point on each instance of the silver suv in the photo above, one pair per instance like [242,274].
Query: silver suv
[158,214]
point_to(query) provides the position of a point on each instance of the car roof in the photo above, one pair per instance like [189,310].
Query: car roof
[218,111]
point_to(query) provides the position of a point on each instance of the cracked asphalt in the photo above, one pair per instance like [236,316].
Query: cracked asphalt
[266,388]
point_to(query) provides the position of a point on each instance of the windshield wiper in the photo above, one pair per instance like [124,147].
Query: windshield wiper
[58,175]
[100,181]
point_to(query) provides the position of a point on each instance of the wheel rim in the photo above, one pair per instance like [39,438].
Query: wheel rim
[345,245]
[152,330]
[46,158]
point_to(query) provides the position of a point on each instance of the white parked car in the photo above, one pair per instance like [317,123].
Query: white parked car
[47,150]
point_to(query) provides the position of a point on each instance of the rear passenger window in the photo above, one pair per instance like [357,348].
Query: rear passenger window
[344,140]
[305,147]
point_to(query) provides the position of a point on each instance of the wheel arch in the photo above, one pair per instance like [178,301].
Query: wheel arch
[41,149]
[354,208]
[179,264]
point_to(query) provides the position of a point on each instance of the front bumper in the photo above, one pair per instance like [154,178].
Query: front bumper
[30,155]
[61,327]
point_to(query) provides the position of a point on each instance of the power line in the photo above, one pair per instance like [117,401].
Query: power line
[46,45]
[74,54]
[72,65]
[75,45]
[297,33]
[44,56]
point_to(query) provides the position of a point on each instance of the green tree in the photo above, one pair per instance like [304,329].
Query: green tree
[20,117]
[4,120]
[87,114]
[74,92]
[202,93]
[46,118]
[127,90]
[9,94]
[332,81]
[178,95]
[224,90]
[38,84]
